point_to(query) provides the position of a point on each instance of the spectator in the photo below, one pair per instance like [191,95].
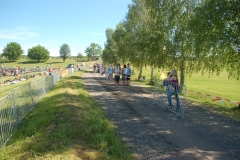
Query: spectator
[172,88]
[16,73]
[117,71]
[110,72]
[128,74]
[94,69]
[124,74]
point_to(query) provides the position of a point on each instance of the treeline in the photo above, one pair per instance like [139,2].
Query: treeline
[13,51]
[188,35]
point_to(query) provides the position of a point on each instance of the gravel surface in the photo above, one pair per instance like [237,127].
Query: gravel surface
[152,132]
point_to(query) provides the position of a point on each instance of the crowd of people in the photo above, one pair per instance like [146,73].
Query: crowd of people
[115,73]
[118,74]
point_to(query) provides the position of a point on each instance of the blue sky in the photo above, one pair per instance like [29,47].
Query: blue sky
[51,23]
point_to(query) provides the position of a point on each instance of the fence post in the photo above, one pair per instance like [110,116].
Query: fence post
[162,98]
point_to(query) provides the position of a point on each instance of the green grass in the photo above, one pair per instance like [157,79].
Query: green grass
[4,90]
[54,62]
[66,124]
[214,85]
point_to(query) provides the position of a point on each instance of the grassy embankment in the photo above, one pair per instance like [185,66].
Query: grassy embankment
[66,124]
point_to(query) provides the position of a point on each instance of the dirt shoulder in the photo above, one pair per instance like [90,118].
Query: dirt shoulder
[152,132]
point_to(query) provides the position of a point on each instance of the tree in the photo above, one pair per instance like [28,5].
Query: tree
[109,53]
[121,46]
[38,53]
[93,50]
[215,27]
[80,56]
[160,35]
[138,35]
[12,51]
[65,51]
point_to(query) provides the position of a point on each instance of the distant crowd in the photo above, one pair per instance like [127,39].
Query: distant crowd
[115,73]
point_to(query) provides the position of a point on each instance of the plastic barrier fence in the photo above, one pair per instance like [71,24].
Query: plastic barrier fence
[170,96]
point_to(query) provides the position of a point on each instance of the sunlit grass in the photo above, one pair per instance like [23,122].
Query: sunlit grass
[66,124]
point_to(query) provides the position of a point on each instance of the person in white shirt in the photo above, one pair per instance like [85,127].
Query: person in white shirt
[117,71]
[128,74]
[124,74]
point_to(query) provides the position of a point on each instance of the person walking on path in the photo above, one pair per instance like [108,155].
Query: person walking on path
[128,74]
[110,72]
[124,74]
[117,71]
[94,69]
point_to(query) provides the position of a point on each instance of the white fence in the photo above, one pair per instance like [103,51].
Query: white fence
[21,100]
[174,100]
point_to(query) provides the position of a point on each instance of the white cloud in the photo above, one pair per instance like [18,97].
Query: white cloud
[18,33]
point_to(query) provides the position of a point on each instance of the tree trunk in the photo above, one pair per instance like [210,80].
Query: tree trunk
[152,76]
[140,73]
[182,72]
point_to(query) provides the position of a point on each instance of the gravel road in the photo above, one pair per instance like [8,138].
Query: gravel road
[153,133]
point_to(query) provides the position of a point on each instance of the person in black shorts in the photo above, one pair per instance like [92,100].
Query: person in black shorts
[124,74]
[94,69]
[117,71]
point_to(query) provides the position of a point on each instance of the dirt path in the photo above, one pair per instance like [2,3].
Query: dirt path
[152,132]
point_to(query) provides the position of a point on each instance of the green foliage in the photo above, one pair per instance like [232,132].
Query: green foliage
[110,52]
[93,51]
[38,53]
[65,51]
[186,35]
[215,28]
[79,56]
[12,51]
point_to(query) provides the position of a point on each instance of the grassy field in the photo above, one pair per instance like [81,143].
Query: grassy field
[66,124]
[214,85]
[53,62]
